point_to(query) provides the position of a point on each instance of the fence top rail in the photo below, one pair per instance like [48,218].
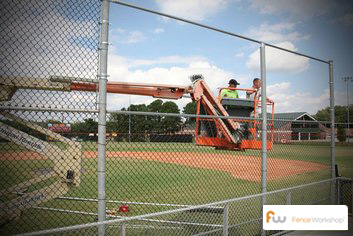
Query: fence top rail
[216,29]
[48,109]
[211,116]
[223,202]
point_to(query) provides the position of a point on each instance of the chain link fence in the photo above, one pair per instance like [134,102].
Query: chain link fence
[237,216]
[155,162]
[44,45]
[152,169]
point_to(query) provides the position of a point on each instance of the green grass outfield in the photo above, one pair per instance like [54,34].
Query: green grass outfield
[152,181]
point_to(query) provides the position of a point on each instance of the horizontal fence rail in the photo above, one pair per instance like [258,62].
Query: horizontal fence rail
[142,113]
[185,209]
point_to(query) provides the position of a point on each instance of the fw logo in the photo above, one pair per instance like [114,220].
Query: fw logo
[270,216]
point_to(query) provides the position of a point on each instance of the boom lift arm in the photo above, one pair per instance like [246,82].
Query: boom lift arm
[66,170]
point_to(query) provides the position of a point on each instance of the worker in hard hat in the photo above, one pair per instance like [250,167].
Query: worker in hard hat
[230,92]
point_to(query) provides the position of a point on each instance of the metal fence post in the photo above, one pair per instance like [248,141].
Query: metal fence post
[289,198]
[123,230]
[333,135]
[338,182]
[264,125]
[103,68]
[226,220]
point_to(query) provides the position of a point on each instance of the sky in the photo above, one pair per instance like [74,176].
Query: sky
[147,48]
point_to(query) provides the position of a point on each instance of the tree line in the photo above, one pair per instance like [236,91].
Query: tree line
[123,123]
[140,124]
[341,116]
[158,124]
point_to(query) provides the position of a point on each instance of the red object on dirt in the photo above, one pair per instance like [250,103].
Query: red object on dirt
[124,208]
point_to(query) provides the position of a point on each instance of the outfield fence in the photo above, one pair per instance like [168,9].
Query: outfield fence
[67,160]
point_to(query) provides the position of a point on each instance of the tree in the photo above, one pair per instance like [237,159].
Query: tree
[138,123]
[341,134]
[146,124]
[118,122]
[155,122]
[85,127]
[190,108]
[170,124]
[340,114]
[323,114]
[155,106]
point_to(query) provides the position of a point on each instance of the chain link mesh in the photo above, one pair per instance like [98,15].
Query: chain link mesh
[239,216]
[44,45]
[153,163]
[345,194]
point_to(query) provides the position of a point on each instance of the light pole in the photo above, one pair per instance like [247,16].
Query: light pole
[129,119]
[347,80]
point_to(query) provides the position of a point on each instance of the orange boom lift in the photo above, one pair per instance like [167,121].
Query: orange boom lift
[217,131]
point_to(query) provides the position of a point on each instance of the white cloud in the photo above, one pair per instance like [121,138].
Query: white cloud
[127,37]
[287,101]
[309,8]
[124,63]
[276,33]
[158,30]
[347,19]
[277,60]
[49,44]
[281,93]
[120,70]
[193,10]
[165,60]
[281,35]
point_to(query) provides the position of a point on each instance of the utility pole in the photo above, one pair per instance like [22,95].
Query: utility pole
[347,80]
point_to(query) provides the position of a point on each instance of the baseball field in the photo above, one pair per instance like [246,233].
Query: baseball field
[170,173]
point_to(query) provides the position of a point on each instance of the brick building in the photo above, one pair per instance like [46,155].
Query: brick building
[288,127]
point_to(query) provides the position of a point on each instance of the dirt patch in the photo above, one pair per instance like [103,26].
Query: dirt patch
[239,166]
